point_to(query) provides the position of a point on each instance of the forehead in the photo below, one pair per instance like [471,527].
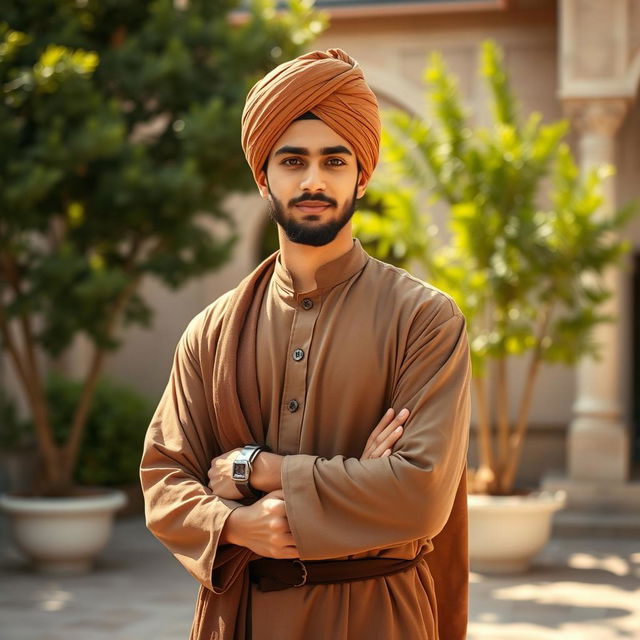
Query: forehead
[311,134]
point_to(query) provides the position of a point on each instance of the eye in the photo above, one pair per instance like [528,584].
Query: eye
[336,162]
[292,162]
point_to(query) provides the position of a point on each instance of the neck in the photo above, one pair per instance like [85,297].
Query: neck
[302,261]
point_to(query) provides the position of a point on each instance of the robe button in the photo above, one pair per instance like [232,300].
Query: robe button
[298,354]
[293,406]
[307,303]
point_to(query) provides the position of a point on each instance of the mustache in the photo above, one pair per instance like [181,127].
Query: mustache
[319,197]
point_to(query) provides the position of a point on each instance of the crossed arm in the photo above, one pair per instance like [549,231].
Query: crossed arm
[263,526]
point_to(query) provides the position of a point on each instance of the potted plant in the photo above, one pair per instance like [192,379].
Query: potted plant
[119,140]
[109,457]
[116,426]
[524,259]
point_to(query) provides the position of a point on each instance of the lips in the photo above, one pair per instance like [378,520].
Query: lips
[312,207]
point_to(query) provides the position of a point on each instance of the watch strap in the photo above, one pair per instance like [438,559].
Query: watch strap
[247,490]
[248,454]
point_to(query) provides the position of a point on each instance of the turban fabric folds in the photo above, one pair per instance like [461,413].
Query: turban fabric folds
[329,84]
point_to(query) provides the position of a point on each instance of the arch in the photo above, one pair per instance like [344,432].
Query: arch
[396,90]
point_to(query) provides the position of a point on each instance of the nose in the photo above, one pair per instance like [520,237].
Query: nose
[312,179]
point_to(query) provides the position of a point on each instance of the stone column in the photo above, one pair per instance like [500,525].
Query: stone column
[598,444]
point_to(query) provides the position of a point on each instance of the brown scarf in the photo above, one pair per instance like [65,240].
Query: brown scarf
[235,368]
[235,376]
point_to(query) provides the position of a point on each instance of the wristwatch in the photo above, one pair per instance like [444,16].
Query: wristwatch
[241,470]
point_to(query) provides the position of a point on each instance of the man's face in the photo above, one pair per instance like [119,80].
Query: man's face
[312,182]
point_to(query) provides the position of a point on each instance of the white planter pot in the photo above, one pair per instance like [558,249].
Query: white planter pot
[506,532]
[62,535]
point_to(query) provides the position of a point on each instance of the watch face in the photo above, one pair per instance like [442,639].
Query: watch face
[240,471]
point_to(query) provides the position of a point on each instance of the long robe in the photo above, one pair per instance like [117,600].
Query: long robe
[316,371]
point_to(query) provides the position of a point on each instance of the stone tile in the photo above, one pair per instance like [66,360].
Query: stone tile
[578,589]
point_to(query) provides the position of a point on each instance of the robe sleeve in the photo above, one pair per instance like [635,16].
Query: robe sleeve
[343,506]
[180,510]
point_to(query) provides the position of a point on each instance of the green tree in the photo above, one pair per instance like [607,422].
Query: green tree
[119,139]
[527,246]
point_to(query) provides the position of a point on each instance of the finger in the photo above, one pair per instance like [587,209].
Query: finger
[288,540]
[378,445]
[380,427]
[277,510]
[390,435]
[384,422]
[393,427]
[290,553]
[387,442]
[275,504]
[399,420]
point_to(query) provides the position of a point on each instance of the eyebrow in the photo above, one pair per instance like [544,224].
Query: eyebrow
[303,151]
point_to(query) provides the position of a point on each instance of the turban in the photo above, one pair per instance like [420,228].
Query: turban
[329,84]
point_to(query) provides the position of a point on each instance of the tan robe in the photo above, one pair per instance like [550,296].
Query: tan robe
[369,337]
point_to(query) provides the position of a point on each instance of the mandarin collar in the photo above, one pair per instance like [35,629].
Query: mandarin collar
[328,275]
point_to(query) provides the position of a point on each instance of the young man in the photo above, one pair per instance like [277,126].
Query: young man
[306,463]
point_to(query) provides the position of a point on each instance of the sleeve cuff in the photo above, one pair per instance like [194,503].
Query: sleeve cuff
[297,480]
[223,568]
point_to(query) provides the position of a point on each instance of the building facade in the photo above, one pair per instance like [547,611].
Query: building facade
[573,58]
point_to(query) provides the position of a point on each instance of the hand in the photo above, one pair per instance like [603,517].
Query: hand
[385,435]
[262,527]
[265,474]
[220,480]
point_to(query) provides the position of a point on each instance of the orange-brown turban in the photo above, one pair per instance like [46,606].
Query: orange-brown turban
[331,85]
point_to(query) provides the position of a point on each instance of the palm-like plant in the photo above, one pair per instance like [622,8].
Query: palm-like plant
[527,249]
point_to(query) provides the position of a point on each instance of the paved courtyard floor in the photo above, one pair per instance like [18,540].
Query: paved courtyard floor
[578,589]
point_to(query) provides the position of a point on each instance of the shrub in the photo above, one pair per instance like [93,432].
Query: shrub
[116,425]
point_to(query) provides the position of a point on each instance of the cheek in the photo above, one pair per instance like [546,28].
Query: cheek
[282,193]
[349,189]
[282,183]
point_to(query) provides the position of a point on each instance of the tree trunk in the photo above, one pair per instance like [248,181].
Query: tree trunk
[484,479]
[503,423]
[517,438]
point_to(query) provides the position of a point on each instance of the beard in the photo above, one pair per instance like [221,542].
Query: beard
[314,235]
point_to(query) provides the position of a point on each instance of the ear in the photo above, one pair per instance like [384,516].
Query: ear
[362,185]
[262,183]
